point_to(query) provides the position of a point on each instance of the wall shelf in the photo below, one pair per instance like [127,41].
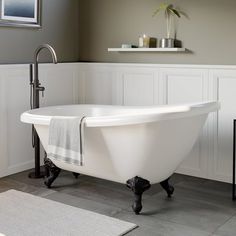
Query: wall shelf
[146,49]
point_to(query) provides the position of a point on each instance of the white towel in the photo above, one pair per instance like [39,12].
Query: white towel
[66,140]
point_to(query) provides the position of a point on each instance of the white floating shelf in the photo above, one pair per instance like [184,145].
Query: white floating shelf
[146,49]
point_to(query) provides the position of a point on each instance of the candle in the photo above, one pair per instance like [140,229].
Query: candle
[144,41]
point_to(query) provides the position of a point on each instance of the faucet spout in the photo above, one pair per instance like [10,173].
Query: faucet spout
[36,85]
[49,48]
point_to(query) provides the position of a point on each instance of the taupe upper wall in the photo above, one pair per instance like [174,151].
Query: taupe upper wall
[59,28]
[209,32]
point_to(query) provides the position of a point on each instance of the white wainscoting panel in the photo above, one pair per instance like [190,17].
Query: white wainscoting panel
[61,82]
[225,83]
[122,84]
[187,86]
[101,85]
[144,84]
[140,87]
[3,126]
[16,153]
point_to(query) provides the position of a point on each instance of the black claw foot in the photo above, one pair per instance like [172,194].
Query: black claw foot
[166,186]
[52,172]
[76,175]
[138,185]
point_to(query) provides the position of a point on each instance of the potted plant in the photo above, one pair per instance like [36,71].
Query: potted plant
[170,12]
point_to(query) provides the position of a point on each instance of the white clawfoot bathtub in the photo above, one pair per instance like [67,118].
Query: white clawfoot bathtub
[123,142]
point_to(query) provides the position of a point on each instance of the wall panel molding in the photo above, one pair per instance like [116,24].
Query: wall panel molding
[61,82]
[123,84]
[152,84]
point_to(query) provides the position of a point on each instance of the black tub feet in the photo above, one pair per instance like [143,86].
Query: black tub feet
[76,175]
[52,172]
[138,185]
[167,187]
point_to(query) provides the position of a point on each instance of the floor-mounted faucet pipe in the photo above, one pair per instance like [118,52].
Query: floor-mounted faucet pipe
[36,103]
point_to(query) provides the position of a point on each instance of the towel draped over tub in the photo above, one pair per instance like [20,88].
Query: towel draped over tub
[65,141]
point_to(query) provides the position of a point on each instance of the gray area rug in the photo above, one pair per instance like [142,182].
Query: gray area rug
[22,214]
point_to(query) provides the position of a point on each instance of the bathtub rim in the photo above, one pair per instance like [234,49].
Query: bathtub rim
[149,114]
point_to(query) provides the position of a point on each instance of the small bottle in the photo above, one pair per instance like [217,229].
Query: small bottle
[144,41]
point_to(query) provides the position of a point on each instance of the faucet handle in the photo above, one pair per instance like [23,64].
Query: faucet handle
[41,89]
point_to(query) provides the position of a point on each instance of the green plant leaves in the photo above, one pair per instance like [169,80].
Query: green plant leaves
[163,6]
[175,12]
[168,9]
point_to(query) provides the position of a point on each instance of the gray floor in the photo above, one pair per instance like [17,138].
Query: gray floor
[199,207]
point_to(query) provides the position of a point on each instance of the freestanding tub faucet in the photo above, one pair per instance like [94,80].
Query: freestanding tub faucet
[36,87]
